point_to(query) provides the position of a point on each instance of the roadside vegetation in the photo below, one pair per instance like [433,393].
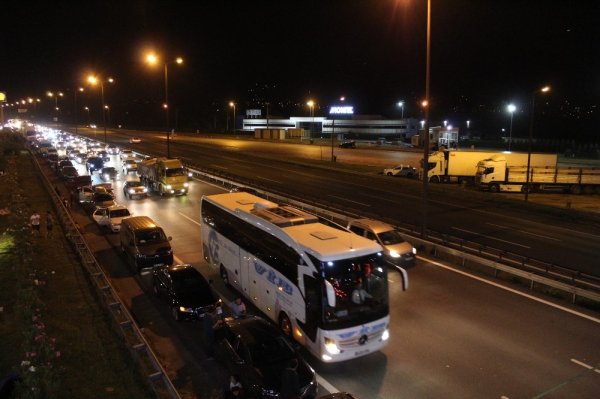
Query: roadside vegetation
[55,334]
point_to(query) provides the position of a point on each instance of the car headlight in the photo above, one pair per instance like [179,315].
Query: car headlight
[131,191]
[414,250]
[185,310]
[145,190]
[190,174]
[168,187]
[331,346]
[106,176]
[386,335]
[394,254]
[186,184]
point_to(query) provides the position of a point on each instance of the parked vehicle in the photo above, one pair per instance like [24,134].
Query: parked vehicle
[103,200]
[93,164]
[401,171]
[68,172]
[258,353]
[397,251]
[144,243]
[111,217]
[134,188]
[496,174]
[185,291]
[164,176]
[461,165]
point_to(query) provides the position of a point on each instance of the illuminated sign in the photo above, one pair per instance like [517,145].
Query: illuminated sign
[345,110]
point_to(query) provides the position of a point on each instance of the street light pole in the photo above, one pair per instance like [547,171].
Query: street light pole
[511,108]
[526,188]
[232,104]
[76,113]
[401,105]
[166,106]
[103,110]
[425,165]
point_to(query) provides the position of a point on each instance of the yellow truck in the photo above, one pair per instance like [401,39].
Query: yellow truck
[164,176]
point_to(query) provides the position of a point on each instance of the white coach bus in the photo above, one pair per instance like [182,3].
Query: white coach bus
[326,287]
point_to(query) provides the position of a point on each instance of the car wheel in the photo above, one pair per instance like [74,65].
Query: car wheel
[285,325]
[224,276]
[175,313]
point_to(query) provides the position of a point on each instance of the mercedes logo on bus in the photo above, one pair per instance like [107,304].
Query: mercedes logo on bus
[363,340]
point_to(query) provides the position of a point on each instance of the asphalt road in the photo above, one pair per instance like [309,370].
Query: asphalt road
[452,336]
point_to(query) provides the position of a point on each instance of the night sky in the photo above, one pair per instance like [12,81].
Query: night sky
[484,54]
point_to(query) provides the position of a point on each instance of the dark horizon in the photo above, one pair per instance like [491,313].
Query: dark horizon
[484,56]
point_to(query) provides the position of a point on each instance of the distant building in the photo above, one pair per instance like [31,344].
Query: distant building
[355,127]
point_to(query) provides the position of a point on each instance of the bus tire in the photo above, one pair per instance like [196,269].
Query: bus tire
[434,179]
[224,275]
[285,325]
[494,188]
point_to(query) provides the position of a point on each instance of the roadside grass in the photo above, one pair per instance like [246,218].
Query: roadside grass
[54,330]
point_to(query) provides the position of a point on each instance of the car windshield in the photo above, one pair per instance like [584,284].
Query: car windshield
[102,197]
[360,289]
[150,237]
[391,237]
[266,349]
[175,172]
[188,283]
[119,213]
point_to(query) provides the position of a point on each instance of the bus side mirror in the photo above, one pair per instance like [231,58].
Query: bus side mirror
[330,294]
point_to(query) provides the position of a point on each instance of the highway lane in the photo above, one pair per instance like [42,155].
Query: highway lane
[452,336]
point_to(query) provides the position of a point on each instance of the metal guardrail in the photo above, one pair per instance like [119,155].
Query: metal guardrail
[572,282]
[138,347]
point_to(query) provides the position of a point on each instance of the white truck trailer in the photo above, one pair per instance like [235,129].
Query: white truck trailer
[497,174]
[457,166]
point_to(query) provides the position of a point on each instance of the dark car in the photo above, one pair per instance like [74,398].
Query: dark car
[104,155]
[94,163]
[64,162]
[185,291]
[109,173]
[348,144]
[68,172]
[103,200]
[134,188]
[258,352]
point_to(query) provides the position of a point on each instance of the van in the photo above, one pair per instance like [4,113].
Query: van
[144,243]
[397,252]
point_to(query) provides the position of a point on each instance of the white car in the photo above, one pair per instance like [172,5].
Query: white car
[401,171]
[124,154]
[135,140]
[111,217]
[129,165]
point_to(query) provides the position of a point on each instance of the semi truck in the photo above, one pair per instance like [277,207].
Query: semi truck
[458,166]
[497,174]
[163,176]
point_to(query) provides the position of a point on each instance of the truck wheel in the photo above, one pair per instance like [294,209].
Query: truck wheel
[494,188]
[434,179]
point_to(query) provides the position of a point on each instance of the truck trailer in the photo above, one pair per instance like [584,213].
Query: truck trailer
[163,176]
[458,166]
[496,175]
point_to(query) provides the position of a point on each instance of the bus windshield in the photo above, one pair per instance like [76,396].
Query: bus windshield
[361,291]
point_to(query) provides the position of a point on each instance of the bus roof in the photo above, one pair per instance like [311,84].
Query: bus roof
[324,242]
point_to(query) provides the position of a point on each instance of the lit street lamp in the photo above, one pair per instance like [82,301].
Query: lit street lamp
[87,109]
[544,89]
[511,108]
[311,105]
[93,80]
[152,59]
[425,165]
[56,107]
[401,105]
[232,105]
[80,89]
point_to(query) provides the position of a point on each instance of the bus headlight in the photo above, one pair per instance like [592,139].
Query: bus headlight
[331,346]
[386,335]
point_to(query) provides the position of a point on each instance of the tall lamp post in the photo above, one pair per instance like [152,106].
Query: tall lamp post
[79,89]
[510,108]
[152,59]
[87,109]
[232,105]
[426,124]
[94,80]
[311,106]
[55,95]
[544,89]
[401,105]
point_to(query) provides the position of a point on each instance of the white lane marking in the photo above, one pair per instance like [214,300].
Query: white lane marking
[587,366]
[559,307]
[219,166]
[189,218]
[346,199]
[491,238]
[523,231]
[323,382]
[264,178]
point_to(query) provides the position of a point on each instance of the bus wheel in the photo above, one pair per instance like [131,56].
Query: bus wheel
[434,179]
[285,325]
[494,188]
[224,276]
